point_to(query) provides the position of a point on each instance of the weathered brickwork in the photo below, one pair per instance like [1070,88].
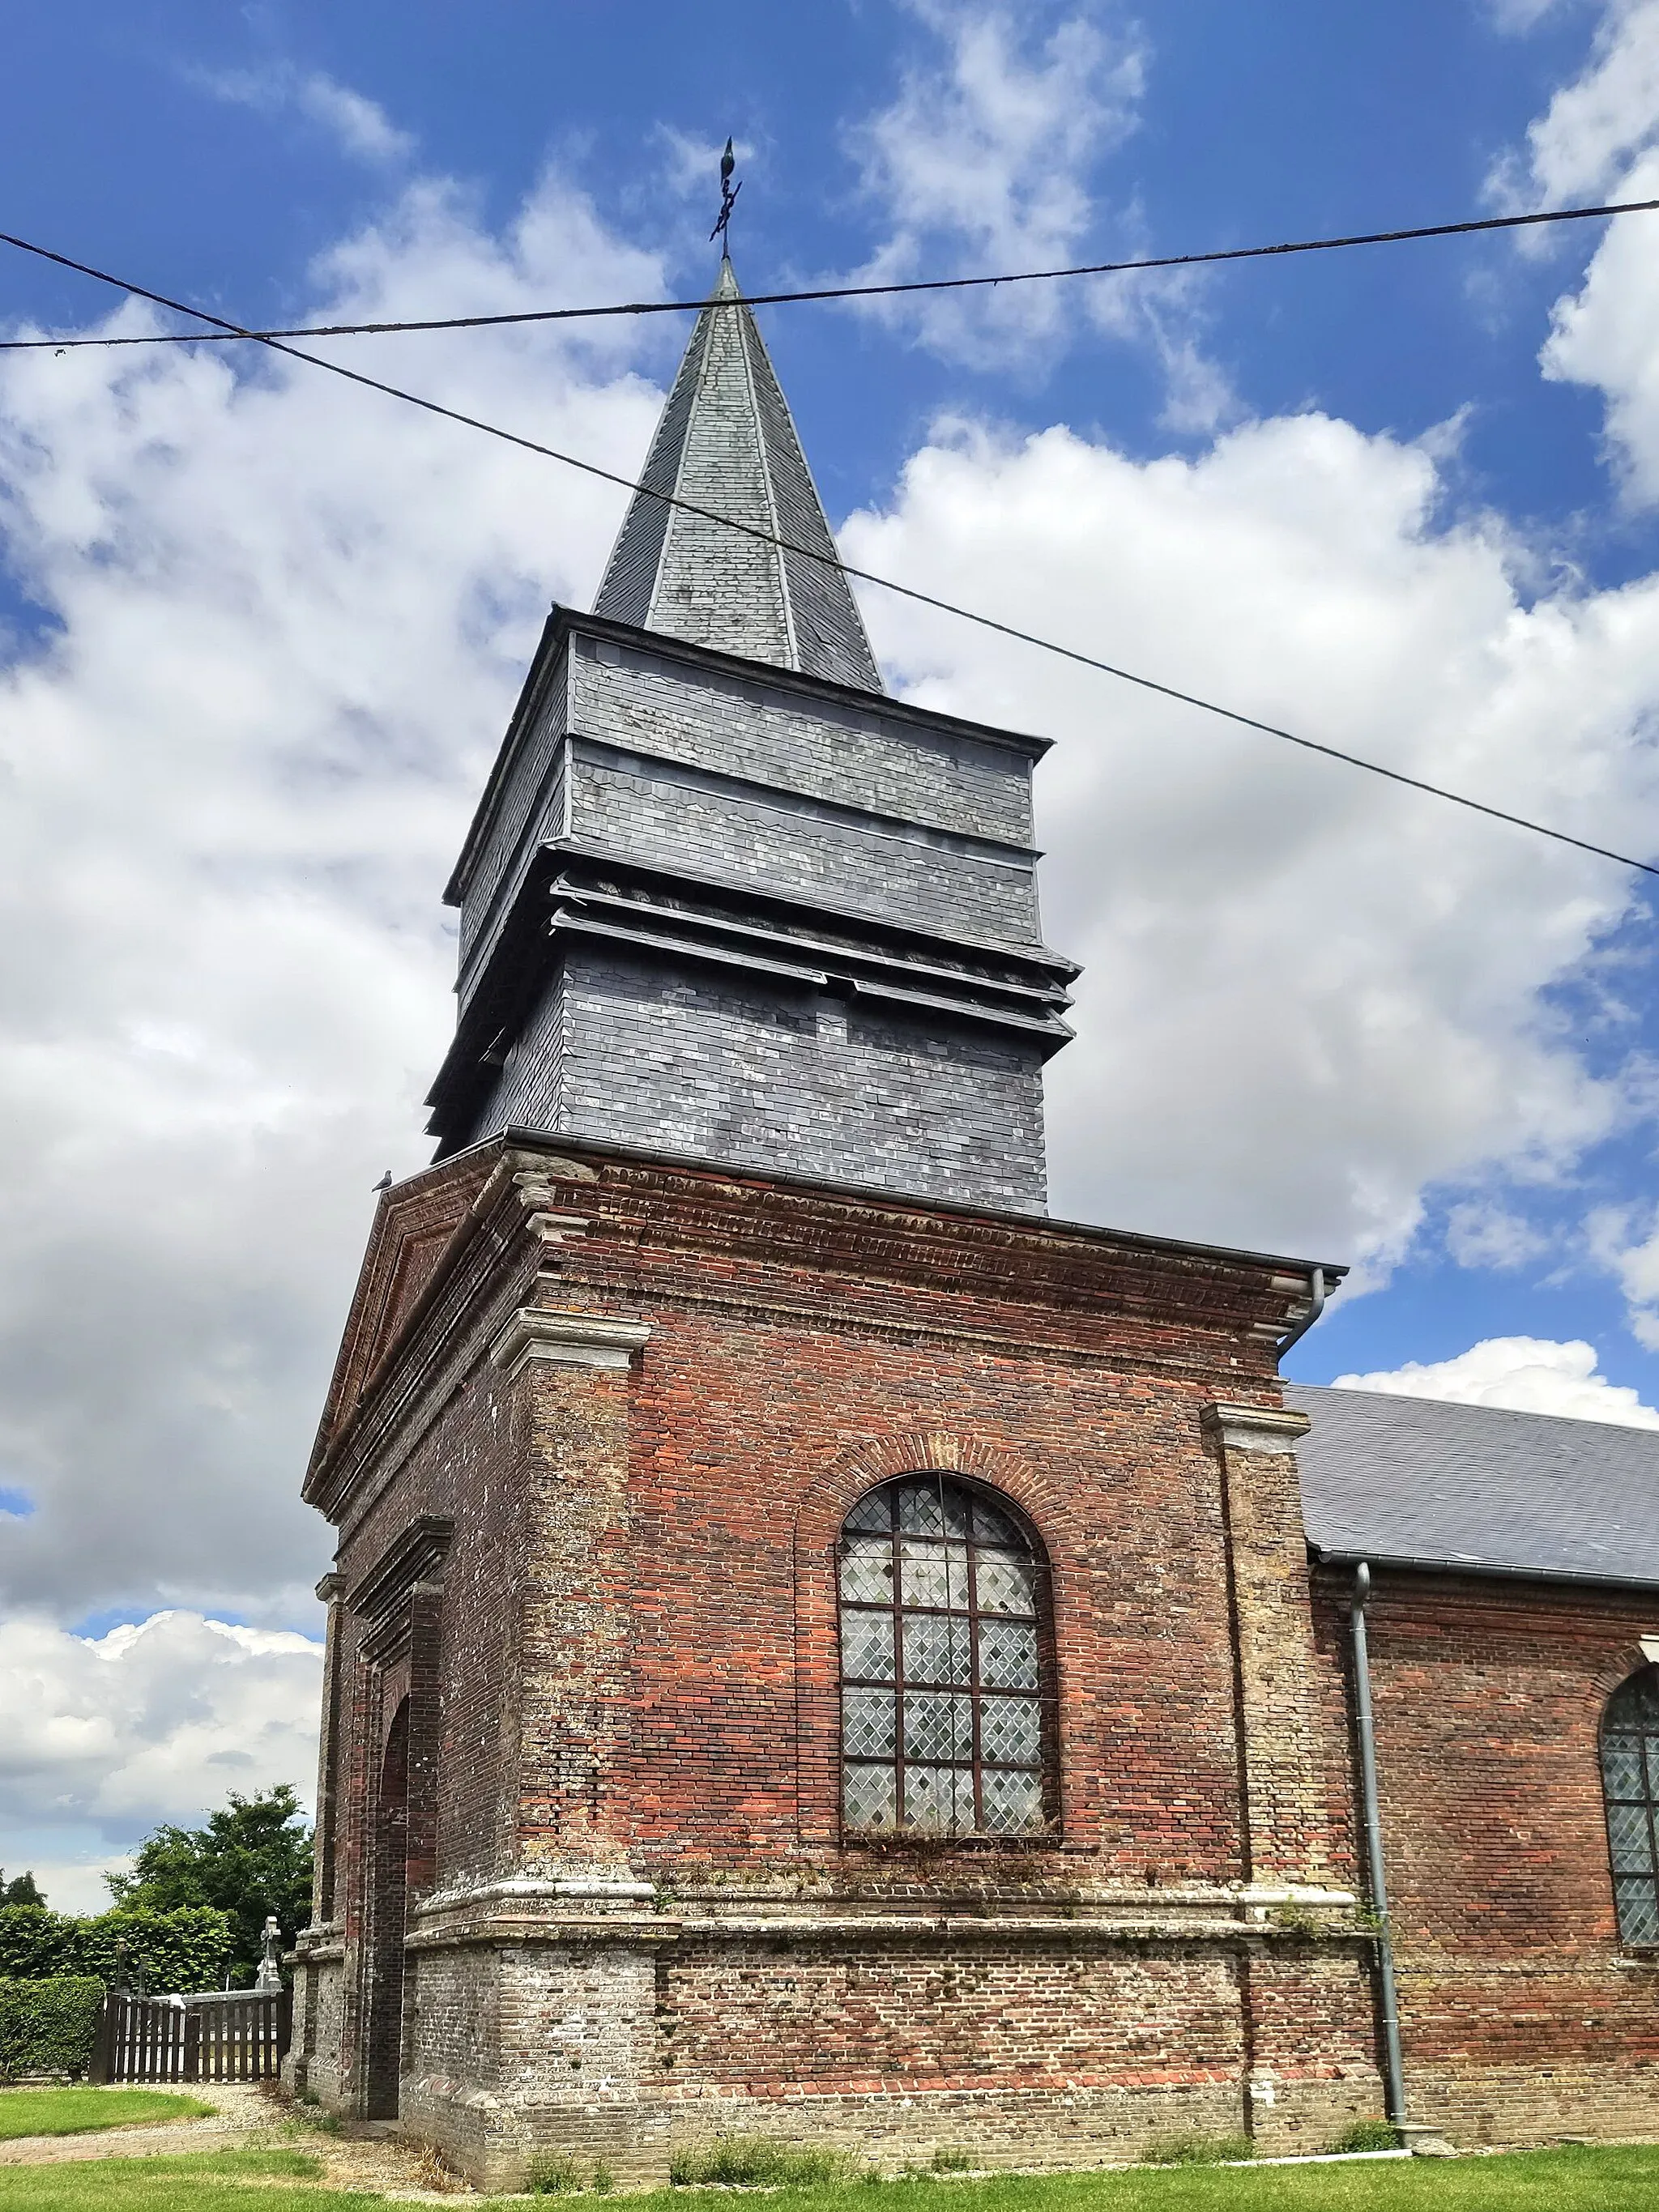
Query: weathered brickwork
[1524,2018]
[624,1414]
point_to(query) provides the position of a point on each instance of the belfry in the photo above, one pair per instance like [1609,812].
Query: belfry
[818,1650]
[722,897]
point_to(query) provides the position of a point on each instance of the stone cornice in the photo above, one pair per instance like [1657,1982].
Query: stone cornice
[1255,1428]
[566,1338]
[626,1231]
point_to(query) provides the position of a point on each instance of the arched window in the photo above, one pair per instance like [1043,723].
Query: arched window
[946,1712]
[1630,1778]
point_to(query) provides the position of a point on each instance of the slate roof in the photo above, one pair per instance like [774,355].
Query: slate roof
[726,442]
[1477,1487]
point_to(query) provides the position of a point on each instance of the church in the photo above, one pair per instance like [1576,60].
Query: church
[818,1649]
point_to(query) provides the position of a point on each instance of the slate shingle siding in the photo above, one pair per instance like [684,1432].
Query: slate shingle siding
[640,1051]
[694,772]
[828,750]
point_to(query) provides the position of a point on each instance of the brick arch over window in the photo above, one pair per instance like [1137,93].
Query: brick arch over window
[1630,1784]
[1039,1501]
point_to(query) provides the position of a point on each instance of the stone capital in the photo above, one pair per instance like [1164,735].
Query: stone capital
[331,1588]
[567,1338]
[1255,1428]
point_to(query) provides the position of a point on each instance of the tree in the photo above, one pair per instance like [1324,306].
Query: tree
[22,1889]
[252,1858]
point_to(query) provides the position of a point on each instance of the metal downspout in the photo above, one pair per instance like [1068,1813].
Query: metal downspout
[1393,2066]
[1315,1307]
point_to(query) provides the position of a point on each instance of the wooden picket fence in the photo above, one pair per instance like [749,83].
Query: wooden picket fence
[241,2035]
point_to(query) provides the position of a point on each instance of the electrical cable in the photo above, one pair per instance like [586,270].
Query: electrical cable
[834,291]
[833,561]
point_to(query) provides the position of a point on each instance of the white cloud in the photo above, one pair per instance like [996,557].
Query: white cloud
[1528,1374]
[101,1738]
[1519,17]
[1599,139]
[288,619]
[1584,140]
[1480,1234]
[1607,336]
[76,1885]
[1307,997]
[1625,1240]
[693,164]
[358,125]
[986,161]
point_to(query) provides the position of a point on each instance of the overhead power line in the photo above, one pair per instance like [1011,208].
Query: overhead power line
[233,335]
[833,561]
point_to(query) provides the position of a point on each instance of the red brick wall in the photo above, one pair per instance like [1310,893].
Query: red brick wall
[638,1655]
[1523,2015]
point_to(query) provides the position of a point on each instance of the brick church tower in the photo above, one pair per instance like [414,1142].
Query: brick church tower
[817,1650]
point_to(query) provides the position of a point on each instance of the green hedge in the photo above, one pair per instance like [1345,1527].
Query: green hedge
[180,1951]
[50,2025]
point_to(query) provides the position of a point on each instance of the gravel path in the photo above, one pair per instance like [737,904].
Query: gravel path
[248,2115]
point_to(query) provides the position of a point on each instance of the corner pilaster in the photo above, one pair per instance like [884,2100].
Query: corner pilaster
[1281,1748]
[573,1373]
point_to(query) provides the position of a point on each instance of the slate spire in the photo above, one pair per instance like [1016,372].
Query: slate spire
[726,443]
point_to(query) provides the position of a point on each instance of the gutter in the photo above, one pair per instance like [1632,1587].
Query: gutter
[1393,2066]
[1411,1563]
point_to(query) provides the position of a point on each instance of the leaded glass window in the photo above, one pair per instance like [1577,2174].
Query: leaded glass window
[947,1704]
[1630,1780]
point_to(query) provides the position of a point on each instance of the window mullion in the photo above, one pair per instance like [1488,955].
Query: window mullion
[899,1662]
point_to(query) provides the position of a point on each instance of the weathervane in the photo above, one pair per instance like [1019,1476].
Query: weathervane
[728,192]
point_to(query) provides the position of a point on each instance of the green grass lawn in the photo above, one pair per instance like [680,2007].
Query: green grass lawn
[1599,2180]
[205,2181]
[77,2111]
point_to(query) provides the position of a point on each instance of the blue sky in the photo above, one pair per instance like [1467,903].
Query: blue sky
[260,634]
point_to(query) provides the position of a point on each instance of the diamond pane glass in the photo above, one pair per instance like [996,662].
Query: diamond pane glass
[942,1733]
[1011,1731]
[938,1801]
[866,1646]
[932,1574]
[993,1526]
[1013,1802]
[1635,1703]
[867,1570]
[1631,1839]
[1639,1911]
[875,1511]
[919,1511]
[1621,1767]
[869,1796]
[938,1725]
[1008,1654]
[936,1648]
[1003,1584]
[929,1799]
[1629,1779]
[869,1724]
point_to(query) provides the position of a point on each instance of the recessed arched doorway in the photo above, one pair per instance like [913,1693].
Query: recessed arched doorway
[387,1912]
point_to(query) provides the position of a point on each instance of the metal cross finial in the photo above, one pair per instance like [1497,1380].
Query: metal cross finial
[728,192]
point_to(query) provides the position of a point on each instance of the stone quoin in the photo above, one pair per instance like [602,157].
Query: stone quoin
[817,1649]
